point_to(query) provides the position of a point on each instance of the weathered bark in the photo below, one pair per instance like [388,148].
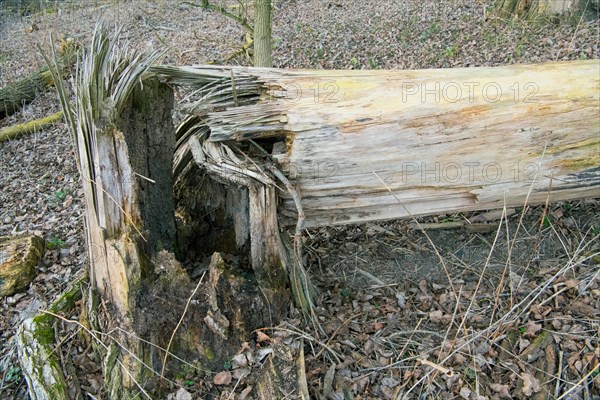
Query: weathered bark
[373,145]
[277,377]
[130,219]
[528,9]
[11,132]
[262,33]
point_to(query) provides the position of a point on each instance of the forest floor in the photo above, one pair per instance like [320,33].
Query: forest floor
[510,312]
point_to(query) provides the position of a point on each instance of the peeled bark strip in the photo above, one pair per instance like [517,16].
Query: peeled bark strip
[277,376]
[372,145]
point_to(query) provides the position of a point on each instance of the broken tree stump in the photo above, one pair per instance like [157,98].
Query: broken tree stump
[157,315]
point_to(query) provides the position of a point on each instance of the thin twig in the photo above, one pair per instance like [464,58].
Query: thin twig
[310,338]
[481,275]
[582,380]
[221,10]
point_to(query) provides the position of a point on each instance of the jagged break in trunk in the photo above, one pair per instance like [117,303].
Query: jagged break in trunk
[125,142]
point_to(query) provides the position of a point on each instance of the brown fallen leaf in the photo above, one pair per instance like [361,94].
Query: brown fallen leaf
[494,215]
[222,378]
[571,283]
[579,307]
[531,329]
[377,326]
[262,337]
[523,344]
[436,316]
[502,390]
[424,302]
[531,384]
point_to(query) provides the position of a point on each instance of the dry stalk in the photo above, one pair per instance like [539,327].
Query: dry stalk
[438,367]
[187,305]
[482,273]
[310,338]
[301,368]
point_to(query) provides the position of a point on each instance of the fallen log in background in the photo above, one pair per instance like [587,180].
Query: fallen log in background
[373,145]
[11,132]
[25,90]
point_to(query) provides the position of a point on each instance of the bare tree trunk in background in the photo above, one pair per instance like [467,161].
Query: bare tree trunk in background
[531,9]
[262,33]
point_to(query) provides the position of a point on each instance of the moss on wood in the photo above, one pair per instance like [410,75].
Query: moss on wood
[36,344]
[19,256]
[11,132]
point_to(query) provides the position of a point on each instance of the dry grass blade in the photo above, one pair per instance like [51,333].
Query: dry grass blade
[301,368]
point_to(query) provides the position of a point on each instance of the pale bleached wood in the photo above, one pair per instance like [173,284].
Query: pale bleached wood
[512,135]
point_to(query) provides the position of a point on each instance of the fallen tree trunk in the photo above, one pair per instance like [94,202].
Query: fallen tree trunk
[14,96]
[388,142]
[372,145]
[11,132]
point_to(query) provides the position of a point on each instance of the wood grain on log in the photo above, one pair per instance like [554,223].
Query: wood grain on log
[373,145]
